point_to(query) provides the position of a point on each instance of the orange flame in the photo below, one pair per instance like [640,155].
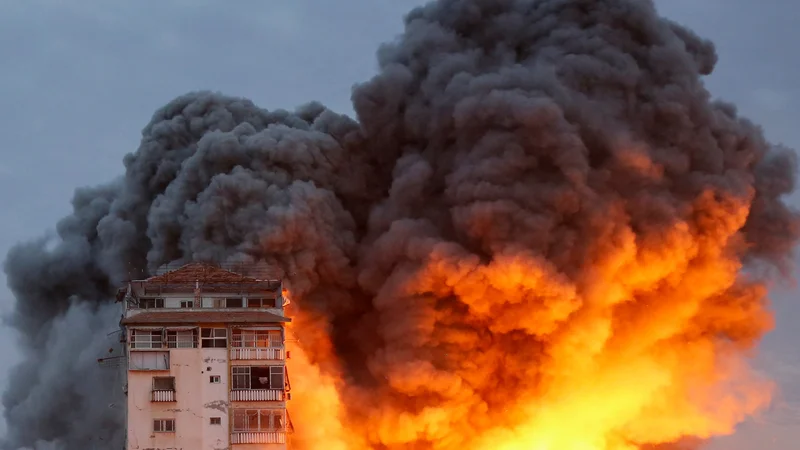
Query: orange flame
[645,344]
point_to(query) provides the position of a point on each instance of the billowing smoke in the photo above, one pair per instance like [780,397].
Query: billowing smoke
[534,235]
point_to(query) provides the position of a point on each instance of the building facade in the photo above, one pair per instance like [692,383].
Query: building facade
[205,351]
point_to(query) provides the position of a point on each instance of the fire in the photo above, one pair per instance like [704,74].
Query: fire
[316,405]
[645,344]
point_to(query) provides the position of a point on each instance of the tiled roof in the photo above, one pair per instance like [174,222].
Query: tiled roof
[209,273]
[166,317]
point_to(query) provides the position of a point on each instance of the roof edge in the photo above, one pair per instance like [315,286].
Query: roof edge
[153,319]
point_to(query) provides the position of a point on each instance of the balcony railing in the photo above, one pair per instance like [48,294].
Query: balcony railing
[258,437]
[263,353]
[162,395]
[257,395]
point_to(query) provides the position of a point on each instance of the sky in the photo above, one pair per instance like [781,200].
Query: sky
[80,79]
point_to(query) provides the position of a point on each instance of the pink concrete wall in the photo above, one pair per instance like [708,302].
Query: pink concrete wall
[197,401]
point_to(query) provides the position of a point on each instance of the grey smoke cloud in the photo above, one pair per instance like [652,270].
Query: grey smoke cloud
[494,129]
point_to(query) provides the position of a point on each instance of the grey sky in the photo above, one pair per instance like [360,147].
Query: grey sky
[80,79]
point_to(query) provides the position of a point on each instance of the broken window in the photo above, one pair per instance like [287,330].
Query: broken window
[164,425]
[163,383]
[215,421]
[258,420]
[215,379]
[149,303]
[214,337]
[146,339]
[257,338]
[149,361]
[258,377]
[181,339]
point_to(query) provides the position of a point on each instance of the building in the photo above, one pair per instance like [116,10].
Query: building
[206,354]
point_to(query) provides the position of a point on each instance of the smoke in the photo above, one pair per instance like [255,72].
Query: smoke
[533,235]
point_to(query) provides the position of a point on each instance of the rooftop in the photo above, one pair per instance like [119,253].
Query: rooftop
[214,273]
[169,317]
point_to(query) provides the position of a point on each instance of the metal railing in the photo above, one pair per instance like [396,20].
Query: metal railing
[258,437]
[162,395]
[270,354]
[181,342]
[257,395]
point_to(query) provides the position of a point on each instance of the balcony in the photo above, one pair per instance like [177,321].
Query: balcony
[257,395]
[258,437]
[257,344]
[162,395]
[259,353]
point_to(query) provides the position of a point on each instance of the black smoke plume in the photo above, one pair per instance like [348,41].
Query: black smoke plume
[497,133]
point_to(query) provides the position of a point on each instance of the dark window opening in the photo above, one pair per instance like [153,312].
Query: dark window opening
[163,383]
[236,302]
[214,337]
[258,377]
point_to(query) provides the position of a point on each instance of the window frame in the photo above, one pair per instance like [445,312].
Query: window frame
[261,302]
[160,356]
[177,338]
[242,420]
[214,338]
[157,302]
[151,339]
[163,425]
[243,376]
[251,338]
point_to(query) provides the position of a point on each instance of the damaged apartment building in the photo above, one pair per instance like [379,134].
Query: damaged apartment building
[205,360]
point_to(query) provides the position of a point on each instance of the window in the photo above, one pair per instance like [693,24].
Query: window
[149,360]
[214,337]
[258,420]
[164,425]
[262,302]
[214,379]
[258,377]
[149,303]
[219,303]
[181,339]
[163,383]
[146,339]
[187,303]
[276,377]
[215,421]
[257,338]
[234,302]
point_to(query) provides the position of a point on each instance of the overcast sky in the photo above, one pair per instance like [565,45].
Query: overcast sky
[80,79]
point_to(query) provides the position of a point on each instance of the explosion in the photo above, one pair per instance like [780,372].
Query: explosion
[540,232]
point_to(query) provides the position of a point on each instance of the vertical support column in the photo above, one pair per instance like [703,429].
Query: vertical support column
[229,341]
